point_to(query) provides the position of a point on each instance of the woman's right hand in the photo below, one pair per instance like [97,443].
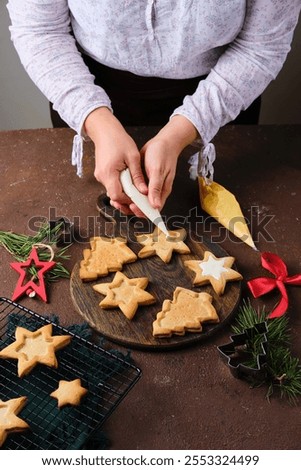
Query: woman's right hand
[115,150]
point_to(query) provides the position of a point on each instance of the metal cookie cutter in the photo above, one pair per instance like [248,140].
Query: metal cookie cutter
[235,353]
[67,233]
[118,224]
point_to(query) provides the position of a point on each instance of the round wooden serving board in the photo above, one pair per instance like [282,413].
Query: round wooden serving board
[163,279]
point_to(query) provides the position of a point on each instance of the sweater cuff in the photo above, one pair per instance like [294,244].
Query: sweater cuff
[81,136]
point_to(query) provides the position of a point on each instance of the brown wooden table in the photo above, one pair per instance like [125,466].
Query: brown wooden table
[186,398]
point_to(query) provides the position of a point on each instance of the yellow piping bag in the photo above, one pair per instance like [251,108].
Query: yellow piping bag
[217,201]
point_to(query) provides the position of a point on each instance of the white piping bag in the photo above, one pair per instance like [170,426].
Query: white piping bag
[141,201]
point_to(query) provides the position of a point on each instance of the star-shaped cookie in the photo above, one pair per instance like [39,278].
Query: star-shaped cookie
[106,255]
[125,293]
[157,243]
[216,271]
[34,347]
[69,392]
[9,421]
[185,312]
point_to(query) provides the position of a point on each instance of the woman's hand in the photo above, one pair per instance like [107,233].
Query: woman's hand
[115,150]
[161,155]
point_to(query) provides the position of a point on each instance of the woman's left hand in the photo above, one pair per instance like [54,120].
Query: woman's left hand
[161,154]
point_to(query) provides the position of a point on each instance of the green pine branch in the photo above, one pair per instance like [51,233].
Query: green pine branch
[20,246]
[283,370]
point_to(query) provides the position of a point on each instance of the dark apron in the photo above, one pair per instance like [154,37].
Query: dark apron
[147,101]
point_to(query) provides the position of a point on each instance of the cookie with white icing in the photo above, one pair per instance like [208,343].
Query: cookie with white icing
[214,271]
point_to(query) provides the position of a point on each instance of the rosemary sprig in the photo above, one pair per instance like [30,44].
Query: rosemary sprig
[20,246]
[283,370]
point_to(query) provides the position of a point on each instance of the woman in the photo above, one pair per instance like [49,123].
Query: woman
[187,65]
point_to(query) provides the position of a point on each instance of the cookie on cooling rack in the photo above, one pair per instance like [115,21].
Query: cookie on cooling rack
[34,347]
[69,392]
[9,421]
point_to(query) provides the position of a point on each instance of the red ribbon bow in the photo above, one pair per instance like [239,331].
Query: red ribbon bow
[263,285]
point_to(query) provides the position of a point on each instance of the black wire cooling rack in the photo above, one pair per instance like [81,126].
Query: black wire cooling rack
[107,377]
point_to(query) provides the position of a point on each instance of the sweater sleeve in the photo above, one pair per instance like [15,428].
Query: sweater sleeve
[41,33]
[246,67]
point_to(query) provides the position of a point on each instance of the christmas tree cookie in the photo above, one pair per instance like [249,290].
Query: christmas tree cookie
[185,312]
[106,255]
[214,271]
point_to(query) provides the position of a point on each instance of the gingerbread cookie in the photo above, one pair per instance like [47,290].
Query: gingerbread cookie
[69,392]
[106,255]
[9,421]
[216,271]
[34,347]
[157,243]
[125,293]
[185,312]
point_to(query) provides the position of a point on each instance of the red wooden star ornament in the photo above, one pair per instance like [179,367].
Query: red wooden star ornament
[31,287]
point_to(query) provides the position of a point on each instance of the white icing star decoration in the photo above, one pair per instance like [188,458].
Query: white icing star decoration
[213,267]
[214,271]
